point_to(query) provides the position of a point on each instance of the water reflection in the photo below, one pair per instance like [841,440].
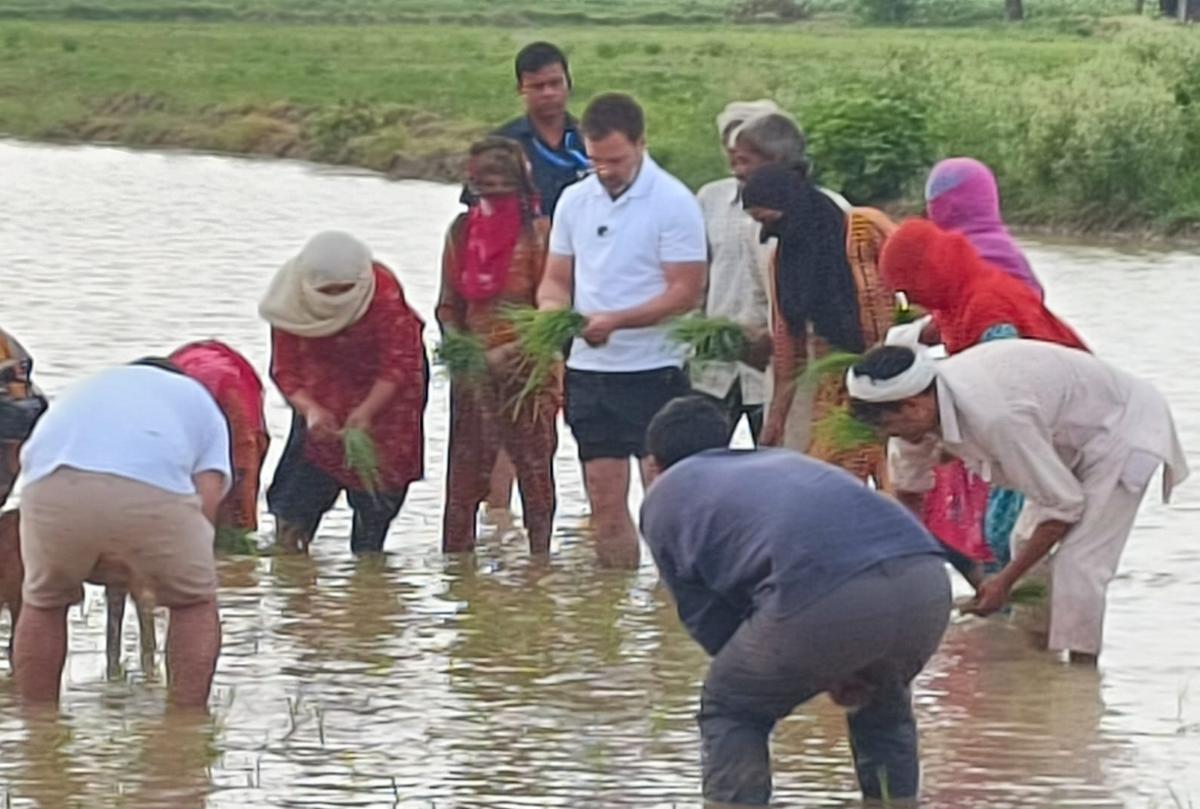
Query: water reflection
[499,681]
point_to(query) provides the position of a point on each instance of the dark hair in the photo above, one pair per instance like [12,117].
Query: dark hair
[537,55]
[161,363]
[686,426]
[613,112]
[883,362]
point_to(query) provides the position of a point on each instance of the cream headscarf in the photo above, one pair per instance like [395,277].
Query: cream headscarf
[294,303]
[739,112]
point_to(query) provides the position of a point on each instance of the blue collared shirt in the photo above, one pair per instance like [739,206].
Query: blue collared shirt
[553,169]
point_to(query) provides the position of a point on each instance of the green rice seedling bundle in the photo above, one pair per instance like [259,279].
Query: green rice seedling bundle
[361,458]
[542,335]
[844,433]
[839,362]
[710,339]
[1031,592]
[462,354]
[903,314]
[232,541]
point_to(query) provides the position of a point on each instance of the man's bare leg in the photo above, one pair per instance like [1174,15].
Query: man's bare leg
[193,643]
[608,491]
[39,652]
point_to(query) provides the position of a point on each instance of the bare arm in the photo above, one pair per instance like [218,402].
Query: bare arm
[993,594]
[557,287]
[210,486]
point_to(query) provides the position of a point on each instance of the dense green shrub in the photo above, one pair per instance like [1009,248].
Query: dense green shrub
[870,144]
[1106,146]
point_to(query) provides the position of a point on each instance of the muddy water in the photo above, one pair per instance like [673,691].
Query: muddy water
[499,683]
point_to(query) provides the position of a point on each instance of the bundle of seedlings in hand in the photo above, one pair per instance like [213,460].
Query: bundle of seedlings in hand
[842,432]
[1029,592]
[462,354]
[542,335]
[903,312]
[361,459]
[839,362]
[711,339]
[232,541]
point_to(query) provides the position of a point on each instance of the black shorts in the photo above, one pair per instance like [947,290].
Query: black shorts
[609,412]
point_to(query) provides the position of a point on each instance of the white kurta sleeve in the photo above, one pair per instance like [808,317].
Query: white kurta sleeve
[1021,447]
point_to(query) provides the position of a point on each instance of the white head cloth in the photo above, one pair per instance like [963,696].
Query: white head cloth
[911,382]
[294,302]
[739,112]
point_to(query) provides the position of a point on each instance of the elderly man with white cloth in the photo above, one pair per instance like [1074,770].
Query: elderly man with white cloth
[739,267]
[1079,438]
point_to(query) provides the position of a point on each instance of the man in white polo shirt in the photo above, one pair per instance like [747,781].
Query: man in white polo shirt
[123,477]
[628,250]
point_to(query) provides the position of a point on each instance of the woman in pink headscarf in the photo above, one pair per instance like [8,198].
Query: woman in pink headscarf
[961,195]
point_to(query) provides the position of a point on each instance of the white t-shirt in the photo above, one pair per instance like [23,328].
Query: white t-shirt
[136,422]
[619,247]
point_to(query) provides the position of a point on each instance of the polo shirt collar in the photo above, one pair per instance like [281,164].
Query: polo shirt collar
[643,184]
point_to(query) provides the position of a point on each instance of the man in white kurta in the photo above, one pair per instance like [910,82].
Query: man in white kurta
[1078,437]
[739,266]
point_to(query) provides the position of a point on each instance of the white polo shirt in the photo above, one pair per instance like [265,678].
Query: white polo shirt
[145,424]
[619,247]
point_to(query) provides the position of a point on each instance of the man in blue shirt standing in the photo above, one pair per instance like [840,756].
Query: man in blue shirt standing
[546,131]
[798,580]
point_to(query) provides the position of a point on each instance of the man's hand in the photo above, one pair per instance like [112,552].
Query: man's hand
[757,353]
[320,421]
[853,692]
[599,328]
[991,596]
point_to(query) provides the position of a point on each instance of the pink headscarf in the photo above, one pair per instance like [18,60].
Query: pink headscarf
[961,195]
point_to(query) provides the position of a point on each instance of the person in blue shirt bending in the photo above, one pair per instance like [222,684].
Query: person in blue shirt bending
[797,580]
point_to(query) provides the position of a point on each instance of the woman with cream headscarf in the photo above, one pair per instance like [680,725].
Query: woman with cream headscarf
[347,353]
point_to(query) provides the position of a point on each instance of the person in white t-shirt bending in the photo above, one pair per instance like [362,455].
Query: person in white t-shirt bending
[628,250]
[123,477]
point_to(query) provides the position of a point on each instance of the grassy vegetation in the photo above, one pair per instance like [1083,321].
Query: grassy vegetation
[1087,119]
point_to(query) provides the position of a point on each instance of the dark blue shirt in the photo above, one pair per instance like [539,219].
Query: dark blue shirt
[736,532]
[553,169]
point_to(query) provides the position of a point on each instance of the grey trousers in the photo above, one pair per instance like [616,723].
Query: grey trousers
[878,629]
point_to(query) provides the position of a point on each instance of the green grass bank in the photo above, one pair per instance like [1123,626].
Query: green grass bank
[1091,122]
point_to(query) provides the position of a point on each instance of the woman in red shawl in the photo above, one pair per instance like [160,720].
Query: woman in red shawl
[971,301]
[942,273]
[232,381]
[494,256]
[347,354]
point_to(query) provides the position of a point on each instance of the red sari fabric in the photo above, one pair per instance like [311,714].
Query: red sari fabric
[339,371]
[941,272]
[232,381]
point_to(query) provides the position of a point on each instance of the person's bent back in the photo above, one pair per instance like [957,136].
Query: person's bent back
[798,580]
[123,479]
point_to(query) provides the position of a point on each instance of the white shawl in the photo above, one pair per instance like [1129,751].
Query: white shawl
[294,302]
